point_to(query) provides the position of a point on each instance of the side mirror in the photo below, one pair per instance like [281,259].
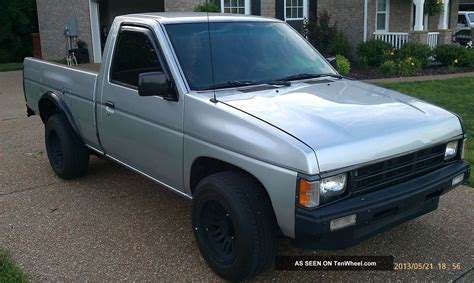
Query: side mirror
[332,61]
[156,84]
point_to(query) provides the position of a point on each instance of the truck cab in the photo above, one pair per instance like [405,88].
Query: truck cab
[244,117]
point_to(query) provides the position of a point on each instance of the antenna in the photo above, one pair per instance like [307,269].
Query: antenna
[214,99]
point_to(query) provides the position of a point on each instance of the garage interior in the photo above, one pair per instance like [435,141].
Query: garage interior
[103,12]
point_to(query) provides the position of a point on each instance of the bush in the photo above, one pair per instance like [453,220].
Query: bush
[467,58]
[364,63]
[18,20]
[449,55]
[343,66]
[207,7]
[339,45]
[388,68]
[375,51]
[418,51]
[325,37]
[409,67]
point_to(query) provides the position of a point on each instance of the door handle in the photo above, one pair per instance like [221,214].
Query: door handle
[109,104]
[109,108]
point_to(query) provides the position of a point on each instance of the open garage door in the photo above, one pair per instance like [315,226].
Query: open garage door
[103,12]
[466,7]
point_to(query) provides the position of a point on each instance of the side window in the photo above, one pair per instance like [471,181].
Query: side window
[462,20]
[134,54]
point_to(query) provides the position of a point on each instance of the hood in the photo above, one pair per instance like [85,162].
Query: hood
[348,122]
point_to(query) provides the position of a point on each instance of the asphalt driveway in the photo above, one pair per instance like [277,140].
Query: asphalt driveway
[114,225]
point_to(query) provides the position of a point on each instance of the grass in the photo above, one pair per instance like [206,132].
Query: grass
[9,271]
[456,95]
[11,67]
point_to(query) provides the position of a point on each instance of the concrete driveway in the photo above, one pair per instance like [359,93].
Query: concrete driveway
[114,225]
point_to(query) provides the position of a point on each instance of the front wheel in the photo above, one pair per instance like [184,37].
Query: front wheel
[234,225]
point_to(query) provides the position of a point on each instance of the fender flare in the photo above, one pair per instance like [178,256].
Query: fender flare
[62,107]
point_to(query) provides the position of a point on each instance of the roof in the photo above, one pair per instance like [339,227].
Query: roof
[196,17]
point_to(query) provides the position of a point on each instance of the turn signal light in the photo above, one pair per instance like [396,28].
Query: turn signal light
[308,193]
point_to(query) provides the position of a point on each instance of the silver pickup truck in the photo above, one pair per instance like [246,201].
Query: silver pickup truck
[244,117]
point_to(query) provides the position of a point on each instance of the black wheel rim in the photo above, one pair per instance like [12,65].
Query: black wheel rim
[55,151]
[218,232]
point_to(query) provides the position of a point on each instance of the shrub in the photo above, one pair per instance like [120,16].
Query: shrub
[449,55]
[18,20]
[339,45]
[375,51]
[418,51]
[388,68]
[364,63]
[207,7]
[467,58]
[343,66]
[409,67]
[325,37]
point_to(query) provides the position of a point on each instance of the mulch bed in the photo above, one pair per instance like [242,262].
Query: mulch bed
[371,73]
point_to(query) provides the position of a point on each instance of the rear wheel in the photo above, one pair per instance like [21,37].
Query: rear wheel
[234,225]
[67,155]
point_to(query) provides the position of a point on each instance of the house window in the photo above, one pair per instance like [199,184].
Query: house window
[295,9]
[381,20]
[235,6]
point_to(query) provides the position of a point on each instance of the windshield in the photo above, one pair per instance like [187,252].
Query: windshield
[471,17]
[242,52]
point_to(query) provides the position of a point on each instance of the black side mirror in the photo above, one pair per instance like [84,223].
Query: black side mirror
[332,61]
[156,84]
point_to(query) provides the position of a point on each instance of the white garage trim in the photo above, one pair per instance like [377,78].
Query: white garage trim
[95,30]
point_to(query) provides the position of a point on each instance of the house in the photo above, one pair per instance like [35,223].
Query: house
[395,21]
[466,5]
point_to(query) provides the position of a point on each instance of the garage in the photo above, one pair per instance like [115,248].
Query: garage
[103,12]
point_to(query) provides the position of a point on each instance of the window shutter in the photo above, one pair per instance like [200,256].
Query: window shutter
[313,9]
[279,9]
[255,7]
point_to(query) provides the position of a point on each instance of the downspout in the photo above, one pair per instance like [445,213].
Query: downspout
[366,12]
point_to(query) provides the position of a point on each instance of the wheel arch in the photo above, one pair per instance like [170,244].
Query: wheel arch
[50,104]
[204,166]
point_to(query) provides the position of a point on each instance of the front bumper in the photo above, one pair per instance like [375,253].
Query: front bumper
[376,211]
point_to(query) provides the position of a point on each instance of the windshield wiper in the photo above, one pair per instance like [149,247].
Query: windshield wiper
[231,84]
[304,76]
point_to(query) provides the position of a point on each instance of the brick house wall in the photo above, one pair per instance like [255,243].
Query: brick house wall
[348,15]
[52,15]
[181,5]
[400,15]
[267,8]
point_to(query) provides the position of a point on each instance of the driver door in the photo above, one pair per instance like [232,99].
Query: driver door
[143,133]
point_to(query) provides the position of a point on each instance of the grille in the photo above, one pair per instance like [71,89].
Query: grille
[397,170]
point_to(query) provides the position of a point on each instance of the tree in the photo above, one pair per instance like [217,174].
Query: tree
[18,19]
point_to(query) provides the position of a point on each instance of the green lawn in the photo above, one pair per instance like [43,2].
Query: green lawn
[11,67]
[9,272]
[456,95]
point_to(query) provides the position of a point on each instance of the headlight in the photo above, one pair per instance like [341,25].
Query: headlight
[332,187]
[311,194]
[451,150]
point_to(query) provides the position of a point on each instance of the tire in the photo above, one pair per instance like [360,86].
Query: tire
[234,225]
[67,155]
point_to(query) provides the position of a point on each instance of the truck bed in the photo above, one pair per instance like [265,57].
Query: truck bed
[91,67]
[74,85]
